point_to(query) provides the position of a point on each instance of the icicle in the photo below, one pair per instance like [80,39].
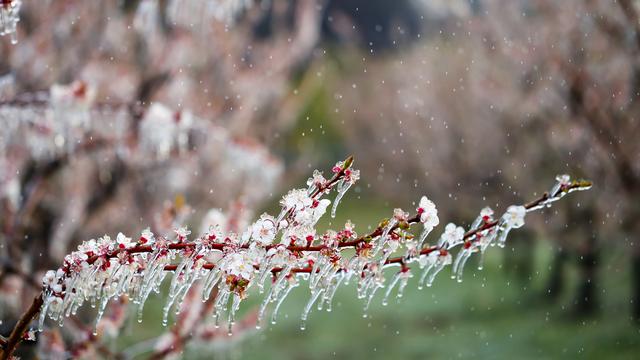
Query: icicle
[314,296]
[329,294]
[265,271]
[404,280]
[440,264]
[327,267]
[458,265]
[385,299]
[185,289]
[385,234]
[463,253]
[312,187]
[263,307]
[103,307]
[283,295]
[210,282]
[502,238]
[166,309]
[281,216]
[423,236]
[154,281]
[235,304]
[220,304]
[43,311]
[315,273]
[281,278]
[486,240]
[363,285]
[151,279]
[343,187]
[425,272]
[369,298]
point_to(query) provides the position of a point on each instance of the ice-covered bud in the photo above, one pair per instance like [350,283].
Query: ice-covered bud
[351,176]
[400,215]
[147,237]
[514,217]
[182,232]
[562,181]
[428,213]
[347,233]
[451,237]
[104,244]
[232,239]
[29,335]
[486,213]
[297,236]
[316,180]
[485,217]
[123,241]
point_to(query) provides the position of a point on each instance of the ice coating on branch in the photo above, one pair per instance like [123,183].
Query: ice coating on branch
[276,255]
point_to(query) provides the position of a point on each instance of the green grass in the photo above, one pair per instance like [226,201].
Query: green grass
[489,315]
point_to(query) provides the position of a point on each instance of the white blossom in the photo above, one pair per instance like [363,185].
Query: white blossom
[123,241]
[514,217]
[239,264]
[428,213]
[264,230]
[451,237]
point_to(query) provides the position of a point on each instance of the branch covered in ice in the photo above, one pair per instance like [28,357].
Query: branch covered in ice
[277,254]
